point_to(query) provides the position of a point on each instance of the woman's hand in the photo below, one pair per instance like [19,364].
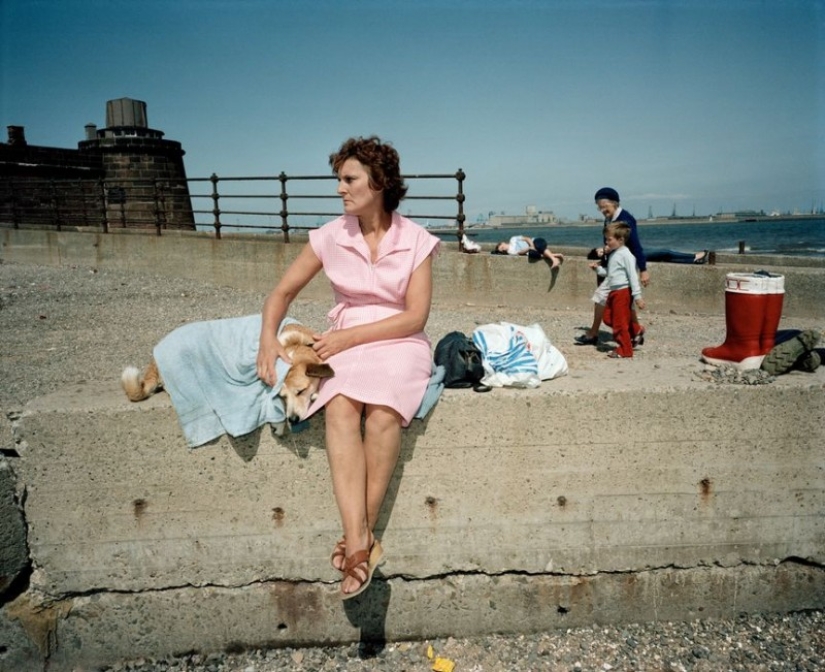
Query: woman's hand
[640,303]
[299,273]
[333,342]
[269,350]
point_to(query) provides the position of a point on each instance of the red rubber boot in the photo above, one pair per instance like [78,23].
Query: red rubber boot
[773,312]
[745,297]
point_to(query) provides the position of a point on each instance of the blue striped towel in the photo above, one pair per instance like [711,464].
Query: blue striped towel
[505,349]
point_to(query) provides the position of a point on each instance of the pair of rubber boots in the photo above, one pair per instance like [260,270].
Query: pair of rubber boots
[797,352]
[753,308]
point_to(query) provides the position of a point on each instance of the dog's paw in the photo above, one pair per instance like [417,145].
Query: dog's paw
[278,428]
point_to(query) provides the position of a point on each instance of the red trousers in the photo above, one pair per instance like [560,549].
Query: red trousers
[618,316]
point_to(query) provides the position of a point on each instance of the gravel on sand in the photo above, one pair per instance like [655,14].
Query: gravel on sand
[747,643]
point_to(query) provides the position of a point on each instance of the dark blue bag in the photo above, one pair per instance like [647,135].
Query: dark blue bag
[461,360]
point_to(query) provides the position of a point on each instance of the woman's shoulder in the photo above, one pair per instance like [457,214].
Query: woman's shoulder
[625,216]
[332,229]
[410,235]
[334,224]
[410,229]
[406,223]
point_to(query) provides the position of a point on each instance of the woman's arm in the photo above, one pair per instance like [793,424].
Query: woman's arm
[299,273]
[410,321]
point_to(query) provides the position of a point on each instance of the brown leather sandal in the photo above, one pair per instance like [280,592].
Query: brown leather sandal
[361,565]
[338,559]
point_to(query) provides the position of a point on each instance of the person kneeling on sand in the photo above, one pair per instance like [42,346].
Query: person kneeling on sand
[534,248]
[624,288]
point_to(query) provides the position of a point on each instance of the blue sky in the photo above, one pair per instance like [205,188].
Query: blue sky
[705,105]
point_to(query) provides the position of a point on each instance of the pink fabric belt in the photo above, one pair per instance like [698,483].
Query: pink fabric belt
[346,314]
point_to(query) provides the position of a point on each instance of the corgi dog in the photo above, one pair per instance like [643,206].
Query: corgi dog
[141,385]
[301,382]
[299,389]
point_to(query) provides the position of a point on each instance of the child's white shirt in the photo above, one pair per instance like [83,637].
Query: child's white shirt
[621,271]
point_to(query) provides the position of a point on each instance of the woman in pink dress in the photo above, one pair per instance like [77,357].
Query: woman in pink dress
[380,267]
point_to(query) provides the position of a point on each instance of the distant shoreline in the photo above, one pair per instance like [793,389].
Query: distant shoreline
[641,222]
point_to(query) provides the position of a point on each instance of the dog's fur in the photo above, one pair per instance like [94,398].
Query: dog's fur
[139,386]
[300,386]
[301,383]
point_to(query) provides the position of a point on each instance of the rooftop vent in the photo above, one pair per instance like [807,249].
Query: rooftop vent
[17,135]
[126,112]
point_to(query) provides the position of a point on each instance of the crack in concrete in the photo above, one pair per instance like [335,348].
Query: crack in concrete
[54,599]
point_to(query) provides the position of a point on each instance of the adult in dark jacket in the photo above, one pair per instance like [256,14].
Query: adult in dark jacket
[608,203]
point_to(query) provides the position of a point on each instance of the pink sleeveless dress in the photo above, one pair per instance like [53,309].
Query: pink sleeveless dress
[393,372]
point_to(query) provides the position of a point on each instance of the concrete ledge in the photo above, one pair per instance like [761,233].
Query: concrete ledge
[529,516]
[101,629]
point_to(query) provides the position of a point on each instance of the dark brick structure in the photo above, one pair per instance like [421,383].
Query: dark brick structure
[125,175]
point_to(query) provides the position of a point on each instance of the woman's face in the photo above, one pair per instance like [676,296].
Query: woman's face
[607,207]
[354,189]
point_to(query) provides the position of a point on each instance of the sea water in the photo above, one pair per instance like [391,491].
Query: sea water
[795,236]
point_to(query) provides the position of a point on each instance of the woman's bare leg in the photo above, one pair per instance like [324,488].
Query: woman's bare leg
[382,445]
[348,468]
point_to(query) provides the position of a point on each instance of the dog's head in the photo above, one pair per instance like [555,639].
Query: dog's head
[301,382]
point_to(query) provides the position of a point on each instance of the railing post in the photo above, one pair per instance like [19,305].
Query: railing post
[122,198]
[284,212]
[459,176]
[216,210]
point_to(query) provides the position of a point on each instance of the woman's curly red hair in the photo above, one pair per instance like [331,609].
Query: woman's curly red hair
[381,161]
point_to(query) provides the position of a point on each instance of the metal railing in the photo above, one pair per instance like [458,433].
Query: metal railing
[244,204]
[227,203]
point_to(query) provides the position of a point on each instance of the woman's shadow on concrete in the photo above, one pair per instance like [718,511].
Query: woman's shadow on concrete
[368,611]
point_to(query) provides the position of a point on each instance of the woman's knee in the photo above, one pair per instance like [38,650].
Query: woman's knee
[343,414]
[382,419]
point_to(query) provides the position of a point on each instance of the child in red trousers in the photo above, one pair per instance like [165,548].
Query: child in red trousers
[624,288]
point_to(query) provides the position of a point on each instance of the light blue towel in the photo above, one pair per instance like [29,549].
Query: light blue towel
[209,370]
[434,389]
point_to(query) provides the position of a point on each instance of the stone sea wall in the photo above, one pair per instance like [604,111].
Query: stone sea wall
[623,492]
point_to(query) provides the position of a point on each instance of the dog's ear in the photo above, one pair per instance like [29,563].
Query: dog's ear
[320,371]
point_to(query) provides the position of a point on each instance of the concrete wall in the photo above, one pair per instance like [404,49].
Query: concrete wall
[254,262]
[509,512]
[507,523]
